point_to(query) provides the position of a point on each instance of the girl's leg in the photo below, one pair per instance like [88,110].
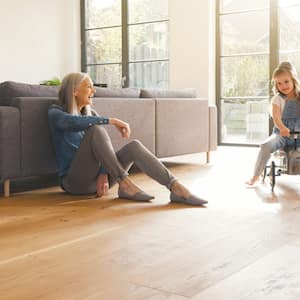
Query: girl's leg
[271,144]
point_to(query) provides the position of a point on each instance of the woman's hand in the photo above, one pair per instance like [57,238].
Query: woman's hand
[122,126]
[102,185]
[284,131]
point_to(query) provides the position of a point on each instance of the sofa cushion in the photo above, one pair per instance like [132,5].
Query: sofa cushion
[177,93]
[177,137]
[12,89]
[132,110]
[117,92]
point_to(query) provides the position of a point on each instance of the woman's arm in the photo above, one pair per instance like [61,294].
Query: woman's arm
[122,126]
[68,122]
[276,115]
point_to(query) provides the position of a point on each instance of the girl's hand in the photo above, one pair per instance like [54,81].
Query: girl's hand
[284,131]
[122,126]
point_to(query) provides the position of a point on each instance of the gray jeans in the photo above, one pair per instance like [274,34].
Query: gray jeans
[96,149]
[270,145]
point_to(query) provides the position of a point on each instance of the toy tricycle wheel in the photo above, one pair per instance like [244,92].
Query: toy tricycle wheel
[272,175]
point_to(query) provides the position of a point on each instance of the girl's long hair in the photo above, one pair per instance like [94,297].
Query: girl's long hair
[286,67]
[66,93]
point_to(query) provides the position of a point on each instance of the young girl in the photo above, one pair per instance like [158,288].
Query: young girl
[285,112]
[86,159]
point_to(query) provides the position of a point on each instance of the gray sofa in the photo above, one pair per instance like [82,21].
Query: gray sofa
[168,122]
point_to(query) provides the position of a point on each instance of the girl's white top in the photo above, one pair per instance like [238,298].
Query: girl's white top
[279,101]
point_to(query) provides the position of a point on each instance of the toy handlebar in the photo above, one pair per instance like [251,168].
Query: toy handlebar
[295,135]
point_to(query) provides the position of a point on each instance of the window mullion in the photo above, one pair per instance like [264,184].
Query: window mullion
[274,45]
[125,49]
[274,36]
[218,72]
[83,39]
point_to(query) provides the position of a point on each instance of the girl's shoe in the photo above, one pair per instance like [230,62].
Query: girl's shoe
[192,200]
[139,196]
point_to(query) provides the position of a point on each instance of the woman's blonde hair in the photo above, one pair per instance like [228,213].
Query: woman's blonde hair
[286,67]
[66,93]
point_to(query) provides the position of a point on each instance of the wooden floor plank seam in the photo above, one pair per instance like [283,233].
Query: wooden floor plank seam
[60,245]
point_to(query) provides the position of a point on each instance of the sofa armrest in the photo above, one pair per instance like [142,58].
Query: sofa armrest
[213,128]
[10,160]
[36,148]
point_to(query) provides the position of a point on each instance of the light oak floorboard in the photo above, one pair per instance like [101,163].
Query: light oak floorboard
[275,277]
[243,245]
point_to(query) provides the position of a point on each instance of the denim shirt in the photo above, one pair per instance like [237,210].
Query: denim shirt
[67,132]
[291,115]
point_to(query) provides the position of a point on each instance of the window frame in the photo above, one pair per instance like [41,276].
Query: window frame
[125,42]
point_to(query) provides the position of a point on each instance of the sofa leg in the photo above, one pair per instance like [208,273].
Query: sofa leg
[6,188]
[207,157]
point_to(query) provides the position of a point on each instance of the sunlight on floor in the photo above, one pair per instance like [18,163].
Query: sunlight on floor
[224,184]
[221,182]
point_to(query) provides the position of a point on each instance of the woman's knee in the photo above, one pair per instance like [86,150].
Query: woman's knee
[135,146]
[96,131]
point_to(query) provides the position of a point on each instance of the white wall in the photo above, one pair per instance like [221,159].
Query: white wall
[40,39]
[191,46]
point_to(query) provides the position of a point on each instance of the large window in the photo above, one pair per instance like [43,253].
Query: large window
[289,20]
[253,37]
[125,42]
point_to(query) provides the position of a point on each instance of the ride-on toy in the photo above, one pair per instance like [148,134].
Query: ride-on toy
[283,161]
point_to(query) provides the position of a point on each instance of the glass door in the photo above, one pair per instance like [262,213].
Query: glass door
[243,85]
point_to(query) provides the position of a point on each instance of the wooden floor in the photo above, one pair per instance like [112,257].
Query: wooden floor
[244,245]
